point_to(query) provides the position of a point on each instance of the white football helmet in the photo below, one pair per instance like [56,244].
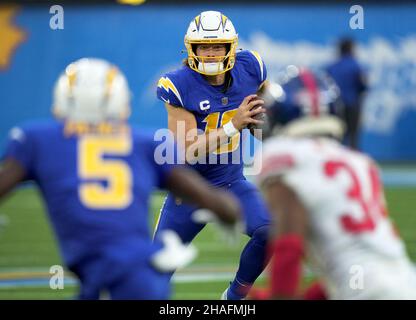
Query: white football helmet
[91,90]
[211,27]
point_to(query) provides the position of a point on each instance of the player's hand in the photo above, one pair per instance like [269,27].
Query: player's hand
[251,106]
[229,232]
[174,254]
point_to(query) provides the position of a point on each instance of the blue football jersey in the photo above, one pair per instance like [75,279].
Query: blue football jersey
[96,186]
[213,108]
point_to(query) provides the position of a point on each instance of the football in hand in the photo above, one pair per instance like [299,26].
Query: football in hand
[259,116]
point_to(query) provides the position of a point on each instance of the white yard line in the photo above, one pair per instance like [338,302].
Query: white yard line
[42,280]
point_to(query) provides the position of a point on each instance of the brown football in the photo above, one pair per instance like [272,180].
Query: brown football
[260,116]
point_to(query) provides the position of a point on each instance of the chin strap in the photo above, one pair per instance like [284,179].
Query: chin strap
[208,67]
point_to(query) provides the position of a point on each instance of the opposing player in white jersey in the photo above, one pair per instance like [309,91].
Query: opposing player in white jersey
[329,203]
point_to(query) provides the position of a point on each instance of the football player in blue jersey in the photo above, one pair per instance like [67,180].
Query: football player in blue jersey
[96,175]
[209,100]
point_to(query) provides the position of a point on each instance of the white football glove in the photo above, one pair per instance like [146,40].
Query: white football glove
[229,233]
[174,254]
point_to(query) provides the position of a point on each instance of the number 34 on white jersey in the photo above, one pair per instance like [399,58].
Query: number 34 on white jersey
[344,198]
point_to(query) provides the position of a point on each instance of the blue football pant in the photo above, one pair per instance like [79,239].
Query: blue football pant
[177,216]
[140,281]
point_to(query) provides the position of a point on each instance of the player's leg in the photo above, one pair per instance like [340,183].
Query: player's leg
[88,290]
[90,280]
[350,125]
[253,257]
[177,216]
[355,126]
[142,283]
[315,291]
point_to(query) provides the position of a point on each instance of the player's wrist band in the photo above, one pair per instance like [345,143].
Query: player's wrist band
[229,129]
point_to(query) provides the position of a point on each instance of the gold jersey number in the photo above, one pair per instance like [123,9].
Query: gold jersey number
[93,166]
[212,121]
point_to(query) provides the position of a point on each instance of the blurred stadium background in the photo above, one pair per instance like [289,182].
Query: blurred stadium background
[145,41]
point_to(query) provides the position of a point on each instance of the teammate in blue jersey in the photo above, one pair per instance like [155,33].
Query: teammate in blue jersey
[96,175]
[209,100]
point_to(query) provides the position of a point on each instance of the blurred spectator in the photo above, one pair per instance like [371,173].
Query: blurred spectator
[350,78]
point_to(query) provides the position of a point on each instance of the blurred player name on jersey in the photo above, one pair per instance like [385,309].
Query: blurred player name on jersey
[81,128]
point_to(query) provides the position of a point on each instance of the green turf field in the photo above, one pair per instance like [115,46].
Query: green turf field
[28,249]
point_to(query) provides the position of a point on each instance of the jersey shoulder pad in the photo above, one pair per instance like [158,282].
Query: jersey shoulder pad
[34,128]
[253,63]
[171,87]
[23,141]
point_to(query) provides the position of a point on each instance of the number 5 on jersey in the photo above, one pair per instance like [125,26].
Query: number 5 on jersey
[93,166]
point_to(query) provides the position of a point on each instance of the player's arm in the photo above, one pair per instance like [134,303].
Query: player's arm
[287,243]
[199,145]
[11,174]
[196,145]
[262,87]
[187,184]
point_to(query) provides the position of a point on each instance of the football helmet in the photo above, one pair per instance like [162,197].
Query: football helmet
[211,27]
[303,103]
[91,90]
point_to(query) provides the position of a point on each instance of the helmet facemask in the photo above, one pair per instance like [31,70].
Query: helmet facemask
[222,63]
